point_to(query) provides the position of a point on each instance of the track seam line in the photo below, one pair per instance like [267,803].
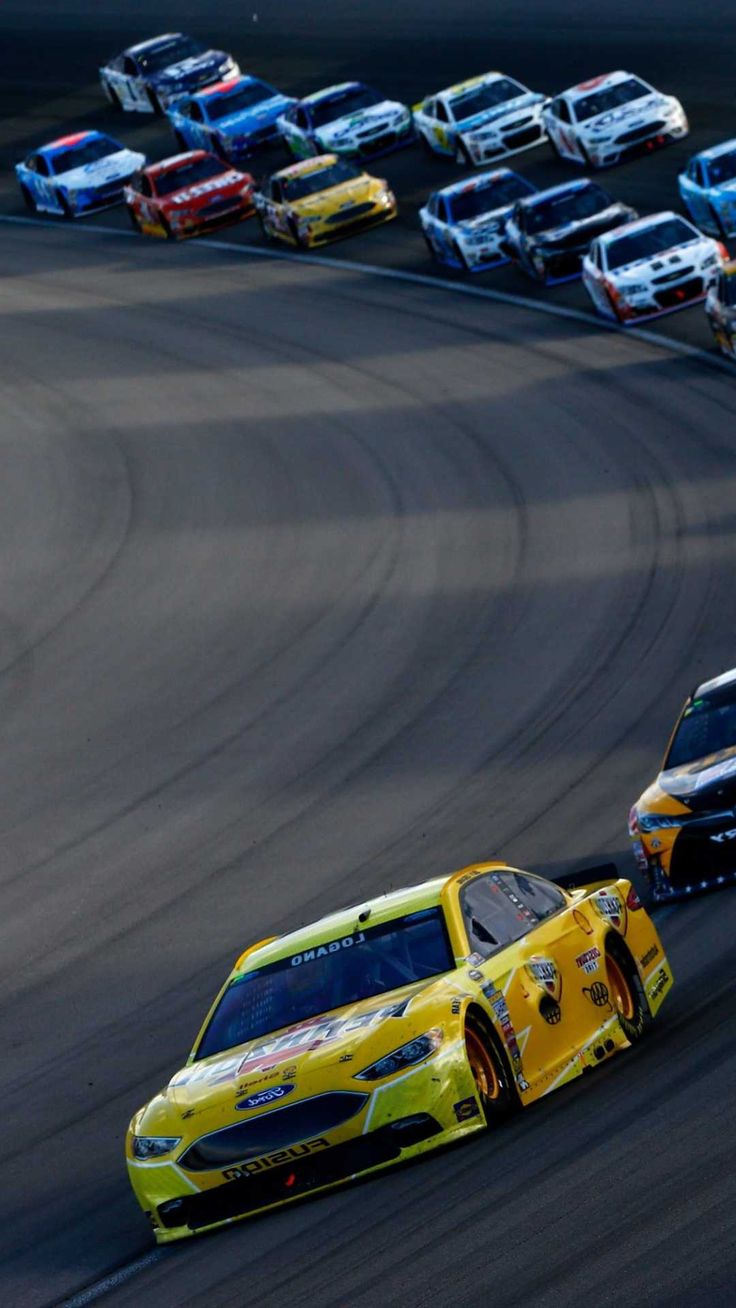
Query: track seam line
[111,1282]
[667,343]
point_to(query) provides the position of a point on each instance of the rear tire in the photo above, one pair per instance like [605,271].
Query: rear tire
[493,1083]
[626,991]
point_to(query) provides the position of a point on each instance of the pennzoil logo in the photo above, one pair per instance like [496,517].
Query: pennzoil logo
[611,908]
[546,974]
[291,1155]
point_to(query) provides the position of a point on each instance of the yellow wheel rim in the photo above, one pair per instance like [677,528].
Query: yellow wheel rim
[620,989]
[483,1067]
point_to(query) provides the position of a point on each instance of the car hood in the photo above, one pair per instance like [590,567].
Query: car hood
[337,197]
[499,111]
[585,228]
[248,120]
[644,108]
[676,254]
[222,182]
[210,61]
[117,165]
[342,129]
[705,782]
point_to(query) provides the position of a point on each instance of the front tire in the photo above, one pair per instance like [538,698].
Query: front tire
[463,155]
[165,227]
[493,1083]
[717,223]
[113,97]
[133,219]
[457,251]
[28,199]
[155,103]
[626,991]
[67,212]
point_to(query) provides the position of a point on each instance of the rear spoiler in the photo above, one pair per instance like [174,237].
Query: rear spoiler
[600,873]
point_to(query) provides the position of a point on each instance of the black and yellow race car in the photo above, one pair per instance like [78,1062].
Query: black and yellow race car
[683,826]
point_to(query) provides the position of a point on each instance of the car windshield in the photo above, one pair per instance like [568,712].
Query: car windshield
[199,170]
[493,194]
[487,96]
[343,102]
[648,242]
[600,102]
[172,52]
[243,97]
[567,207]
[325,977]
[303,184]
[722,169]
[707,726]
[87,152]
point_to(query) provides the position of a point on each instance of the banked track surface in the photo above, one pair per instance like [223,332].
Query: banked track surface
[311,585]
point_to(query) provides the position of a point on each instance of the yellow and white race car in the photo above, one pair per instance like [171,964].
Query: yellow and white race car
[320,200]
[390,1028]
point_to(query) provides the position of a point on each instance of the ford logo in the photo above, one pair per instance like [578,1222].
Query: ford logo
[269,1096]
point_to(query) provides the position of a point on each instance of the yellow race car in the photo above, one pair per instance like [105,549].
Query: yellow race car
[320,200]
[390,1028]
[683,826]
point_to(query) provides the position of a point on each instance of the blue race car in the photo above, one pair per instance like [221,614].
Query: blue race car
[548,234]
[77,174]
[230,119]
[464,224]
[154,74]
[708,189]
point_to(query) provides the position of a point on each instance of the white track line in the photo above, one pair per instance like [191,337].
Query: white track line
[668,343]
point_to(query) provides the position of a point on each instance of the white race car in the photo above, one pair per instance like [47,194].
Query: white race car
[464,224]
[481,119]
[350,119]
[611,118]
[650,267]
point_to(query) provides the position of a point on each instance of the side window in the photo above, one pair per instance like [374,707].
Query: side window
[594,256]
[41,166]
[442,113]
[699,174]
[129,66]
[430,108]
[503,906]
[195,112]
[144,185]
[301,118]
[442,209]
[276,191]
[563,111]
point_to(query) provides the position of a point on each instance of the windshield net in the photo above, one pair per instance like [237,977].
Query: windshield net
[485,97]
[601,102]
[328,976]
[245,97]
[198,171]
[183,47]
[86,152]
[296,188]
[346,102]
[708,726]
[650,241]
[570,207]
[484,199]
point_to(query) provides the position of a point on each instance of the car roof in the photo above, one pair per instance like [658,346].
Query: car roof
[220,88]
[470,83]
[597,83]
[346,922]
[328,91]
[723,679]
[153,43]
[715,151]
[175,161]
[476,181]
[641,225]
[306,166]
[62,142]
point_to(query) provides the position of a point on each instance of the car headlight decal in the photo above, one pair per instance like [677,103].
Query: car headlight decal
[414,1051]
[153,1146]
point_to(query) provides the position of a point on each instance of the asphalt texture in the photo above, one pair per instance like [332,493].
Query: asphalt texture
[313,584]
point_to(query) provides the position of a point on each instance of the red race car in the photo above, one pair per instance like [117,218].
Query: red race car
[188,194]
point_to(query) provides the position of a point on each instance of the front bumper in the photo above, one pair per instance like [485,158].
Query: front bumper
[686,861]
[337,225]
[211,217]
[650,138]
[375,146]
[520,133]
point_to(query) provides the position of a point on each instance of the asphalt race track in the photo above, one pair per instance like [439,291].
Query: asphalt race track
[313,583]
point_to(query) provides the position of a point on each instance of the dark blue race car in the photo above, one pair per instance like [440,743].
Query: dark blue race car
[154,74]
[548,233]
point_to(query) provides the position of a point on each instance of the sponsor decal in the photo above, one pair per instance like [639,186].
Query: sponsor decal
[588,961]
[346,1058]
[611,908]
[290,1155]
[597,994]
[724,835]
[503,1016]
[659,983]
[546,974]
[268,1096]
[466,1109]
[321,951]
[456,1006]
[550,1010]
[650,955]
